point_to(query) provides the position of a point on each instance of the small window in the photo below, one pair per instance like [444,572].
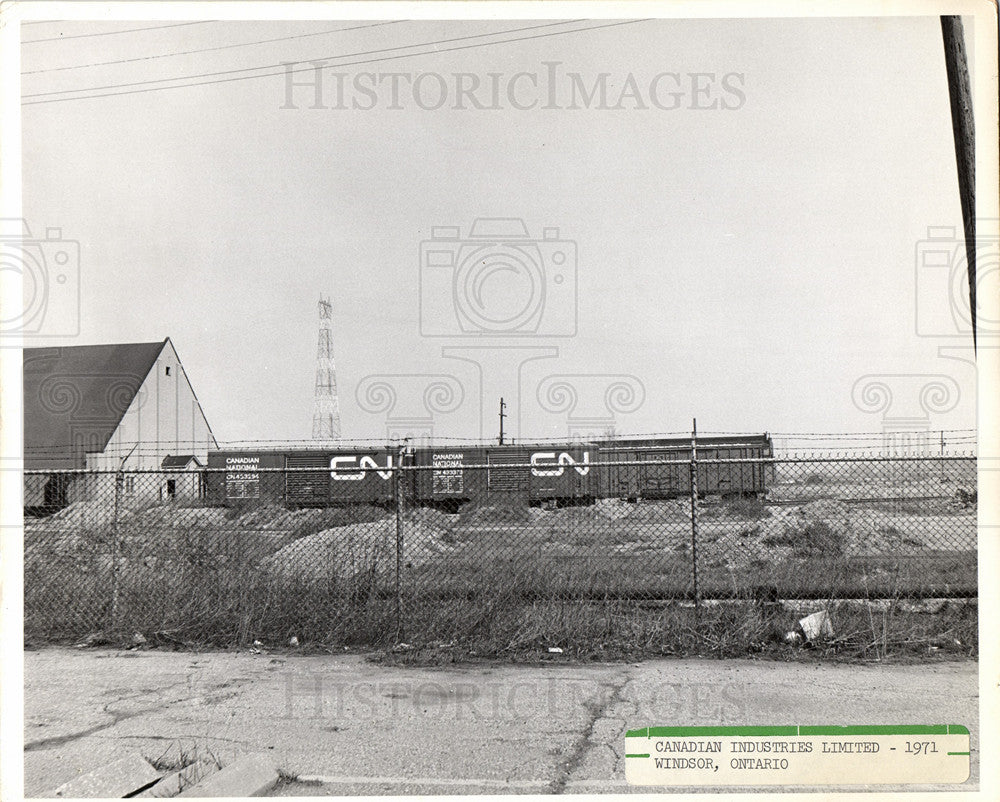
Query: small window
[168,370]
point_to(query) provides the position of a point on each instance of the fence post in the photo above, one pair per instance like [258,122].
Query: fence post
[694,510]
[398,477]
[119,481]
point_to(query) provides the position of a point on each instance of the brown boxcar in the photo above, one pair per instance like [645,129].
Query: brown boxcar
[443,480]
[660,468]
[359,476]
[565,473]
[234,477]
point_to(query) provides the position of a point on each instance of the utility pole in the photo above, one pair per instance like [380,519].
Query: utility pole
[503,406]
[964,132]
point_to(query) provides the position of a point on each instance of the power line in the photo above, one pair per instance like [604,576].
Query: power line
[112,33]
[209,49]
[282,65]
[309,69]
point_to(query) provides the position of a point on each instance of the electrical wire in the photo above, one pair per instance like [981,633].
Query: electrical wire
[209,49]
[112,33]
[435,51]
[305,69]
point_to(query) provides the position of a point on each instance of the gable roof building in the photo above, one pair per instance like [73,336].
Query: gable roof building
[127,405]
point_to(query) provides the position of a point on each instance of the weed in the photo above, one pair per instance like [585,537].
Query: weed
[748,507]
[818,537]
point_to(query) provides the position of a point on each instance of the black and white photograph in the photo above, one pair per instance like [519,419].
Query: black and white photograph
[437,398]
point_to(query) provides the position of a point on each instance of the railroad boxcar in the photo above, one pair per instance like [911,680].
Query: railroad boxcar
[443,480]
[341,476]
[563,473]
[560,473]
[661,468]
[361,476]
[533,473]
[234,477]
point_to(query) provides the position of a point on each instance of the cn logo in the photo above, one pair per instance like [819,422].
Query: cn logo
[353,468]
[548,463]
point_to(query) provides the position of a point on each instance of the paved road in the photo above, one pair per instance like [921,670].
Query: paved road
[345,726]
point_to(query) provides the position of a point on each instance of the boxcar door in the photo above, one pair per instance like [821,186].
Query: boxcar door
[503,477]
[308,488]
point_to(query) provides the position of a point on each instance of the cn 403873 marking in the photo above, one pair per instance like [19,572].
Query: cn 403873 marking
[566,473]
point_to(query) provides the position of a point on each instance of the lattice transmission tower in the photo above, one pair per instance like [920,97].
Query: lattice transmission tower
[326,405]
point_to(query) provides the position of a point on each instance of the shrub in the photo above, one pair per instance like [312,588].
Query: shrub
[966,497]
[747,507]
[818,537]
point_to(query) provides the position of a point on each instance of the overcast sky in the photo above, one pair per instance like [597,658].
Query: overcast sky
[745,230]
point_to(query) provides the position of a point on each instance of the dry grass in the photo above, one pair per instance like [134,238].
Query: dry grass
[503,580]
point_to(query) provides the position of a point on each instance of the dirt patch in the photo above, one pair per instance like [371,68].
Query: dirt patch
[358,549]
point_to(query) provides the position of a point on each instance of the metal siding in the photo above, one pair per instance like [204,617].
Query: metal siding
[664,481]
[372,487]
[450,482]
[507,480]
[307,488]
[618,481]
[573,477]
[232,479]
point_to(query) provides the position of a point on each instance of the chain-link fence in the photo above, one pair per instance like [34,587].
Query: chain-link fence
[486,553]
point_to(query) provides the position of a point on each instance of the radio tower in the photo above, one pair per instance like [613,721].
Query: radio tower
[326,406]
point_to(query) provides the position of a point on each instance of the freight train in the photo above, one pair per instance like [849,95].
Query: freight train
[447,477]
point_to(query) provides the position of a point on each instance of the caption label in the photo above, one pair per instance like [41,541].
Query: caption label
[861,755]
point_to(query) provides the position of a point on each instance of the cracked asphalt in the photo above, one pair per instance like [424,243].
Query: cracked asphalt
[342,725]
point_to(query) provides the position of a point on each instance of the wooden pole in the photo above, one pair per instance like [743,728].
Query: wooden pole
[963,128]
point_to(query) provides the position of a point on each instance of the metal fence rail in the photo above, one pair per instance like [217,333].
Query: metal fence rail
[227,557]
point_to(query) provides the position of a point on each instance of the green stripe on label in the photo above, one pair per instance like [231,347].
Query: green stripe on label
[689,732]
[871,729]
[878,729]
[958,753]
[647,755]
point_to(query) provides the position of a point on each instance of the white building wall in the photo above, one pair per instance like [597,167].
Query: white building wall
[163,419]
